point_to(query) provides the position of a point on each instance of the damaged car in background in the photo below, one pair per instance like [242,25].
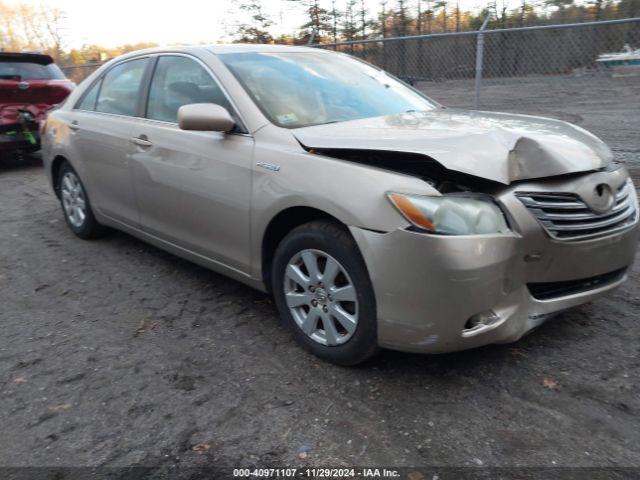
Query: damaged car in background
[375,216]
[31,84]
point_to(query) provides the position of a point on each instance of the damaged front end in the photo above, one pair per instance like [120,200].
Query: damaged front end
[465,205]
[414,164]
[476,266]
[462,145]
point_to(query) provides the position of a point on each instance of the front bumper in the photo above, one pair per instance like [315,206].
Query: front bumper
[427,287]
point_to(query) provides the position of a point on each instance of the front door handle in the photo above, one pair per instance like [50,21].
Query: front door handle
[74,125]
[141,141]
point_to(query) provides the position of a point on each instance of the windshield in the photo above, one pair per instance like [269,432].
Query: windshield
[29,71]
[301,89]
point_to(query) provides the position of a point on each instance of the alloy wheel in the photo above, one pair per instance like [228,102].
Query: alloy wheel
[73,199]
[321,297]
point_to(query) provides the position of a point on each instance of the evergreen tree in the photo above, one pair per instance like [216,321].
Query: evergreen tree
[382,19]
[364,22]
[350,27]
[335,20]
[319,19]
[402,18]
[561,5]
[256,31]
[442,5]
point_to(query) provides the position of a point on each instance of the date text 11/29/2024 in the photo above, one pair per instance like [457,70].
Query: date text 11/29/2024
[332,473]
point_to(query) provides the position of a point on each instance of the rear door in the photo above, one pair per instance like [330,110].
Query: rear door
[102,123]
[193,188]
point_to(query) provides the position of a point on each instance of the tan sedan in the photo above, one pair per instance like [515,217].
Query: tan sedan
[376,217]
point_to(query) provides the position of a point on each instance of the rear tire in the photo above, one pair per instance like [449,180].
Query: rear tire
[75,204]
[323,293]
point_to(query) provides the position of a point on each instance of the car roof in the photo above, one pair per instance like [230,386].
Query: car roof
[29,57]
[219,49]
[247,47]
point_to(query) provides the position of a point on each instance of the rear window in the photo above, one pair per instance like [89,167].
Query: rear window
[12,70]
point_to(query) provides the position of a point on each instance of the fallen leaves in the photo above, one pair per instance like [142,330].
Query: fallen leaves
[19,380]
[144,326]
[516,352]
[201,448]
[303,452]
[551,383]
[416,476]
[60,408]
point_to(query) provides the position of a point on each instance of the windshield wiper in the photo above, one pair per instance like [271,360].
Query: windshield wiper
[323,123]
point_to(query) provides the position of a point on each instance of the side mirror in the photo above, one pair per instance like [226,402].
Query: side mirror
[205,117]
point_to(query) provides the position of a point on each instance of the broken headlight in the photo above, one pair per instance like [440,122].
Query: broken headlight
[451,214]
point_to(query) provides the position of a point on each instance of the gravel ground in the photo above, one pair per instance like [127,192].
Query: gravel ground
[114,353]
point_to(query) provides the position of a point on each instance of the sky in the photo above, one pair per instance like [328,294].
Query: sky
[117,22]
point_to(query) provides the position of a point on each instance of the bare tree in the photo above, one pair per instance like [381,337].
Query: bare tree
[8,35]
[25,27]
[53,20]
[523,12]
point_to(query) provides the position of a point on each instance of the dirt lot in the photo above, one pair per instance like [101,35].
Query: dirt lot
[113,353]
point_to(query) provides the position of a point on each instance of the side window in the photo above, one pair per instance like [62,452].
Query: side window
[180,81]
[88,102]
[121,88]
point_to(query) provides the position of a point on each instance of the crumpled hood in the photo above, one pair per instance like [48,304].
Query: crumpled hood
[496,146]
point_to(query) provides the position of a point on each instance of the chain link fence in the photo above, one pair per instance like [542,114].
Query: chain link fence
[480,69]
[561,57]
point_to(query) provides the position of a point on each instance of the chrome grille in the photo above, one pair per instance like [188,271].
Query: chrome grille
[566,217]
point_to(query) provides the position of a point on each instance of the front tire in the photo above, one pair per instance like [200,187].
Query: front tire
[75,204]
[323,293]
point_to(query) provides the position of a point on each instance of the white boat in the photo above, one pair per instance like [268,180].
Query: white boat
[628,57]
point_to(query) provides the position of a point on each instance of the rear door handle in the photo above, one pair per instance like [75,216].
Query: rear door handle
[141,141]
[74,126]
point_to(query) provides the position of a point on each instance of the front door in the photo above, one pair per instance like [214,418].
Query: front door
[193,188]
